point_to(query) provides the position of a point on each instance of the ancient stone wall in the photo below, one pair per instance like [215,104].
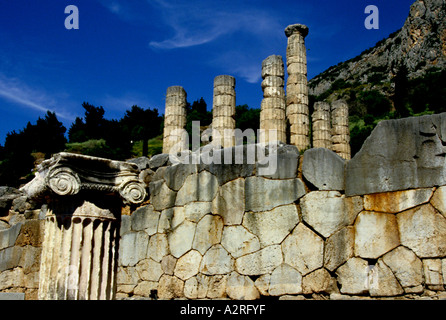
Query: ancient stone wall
[320,227]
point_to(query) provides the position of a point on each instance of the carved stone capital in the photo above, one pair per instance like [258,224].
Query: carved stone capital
[68,174]
[296,28]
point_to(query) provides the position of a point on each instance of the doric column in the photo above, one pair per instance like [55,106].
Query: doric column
[223,111]
[297,87]
[175,120]
[321,125]
[272,114]
[340,129]
[84,196]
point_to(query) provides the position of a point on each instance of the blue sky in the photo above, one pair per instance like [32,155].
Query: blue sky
[129,52]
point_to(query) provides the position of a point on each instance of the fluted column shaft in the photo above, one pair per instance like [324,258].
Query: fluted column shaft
[79,252]
[273,107]
[175,120]
[223,111]
[297,87]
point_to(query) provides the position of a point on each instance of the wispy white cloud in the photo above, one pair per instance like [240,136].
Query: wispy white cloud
[201,22]
[14,90]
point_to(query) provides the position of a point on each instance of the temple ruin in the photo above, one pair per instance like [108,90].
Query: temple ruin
[319,226]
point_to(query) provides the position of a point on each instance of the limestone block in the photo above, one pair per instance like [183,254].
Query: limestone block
[423,230]
[375,234]
[272,114]
[165,220]
[177,174]
[238,241]
[194,211]
[170,287]
[168,264]
[11,278]
[181,238]
[9,236]
[10,257]
[230,202]
[273,81]
[133,248]
[324,169]
[149,270]
[158,247]
[400,154]
[397,201]
[353,276]
[439,200]
[433,274]
[216,261]
[382,281]
[303,250]
[327,212]
[240,287]
[158,160]
[339,248]
[287,162]
[297,106]
[209,232]
[317,281]
[144,288]
[161,197]
[145,218]
[197,187]
[260,262]
[272,103]
[262,284]
[188,265]
[263,194]
[127,276]
[281,219]
[285,280]
[406,266]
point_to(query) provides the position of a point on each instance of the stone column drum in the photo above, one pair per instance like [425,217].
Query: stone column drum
[273,107]
[340,129]
[175,120]
[321,125]
[297,87]
[223,111]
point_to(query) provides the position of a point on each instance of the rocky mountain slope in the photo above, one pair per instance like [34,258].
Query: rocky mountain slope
[419,45]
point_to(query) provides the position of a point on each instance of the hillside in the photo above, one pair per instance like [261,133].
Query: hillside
[419,45]
[402,75]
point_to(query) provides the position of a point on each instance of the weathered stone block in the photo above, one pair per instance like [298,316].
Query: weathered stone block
[319,280]
[188,265]
[271,227]
[149,270]
[198,187]
[230,202]
[263,194]
[399,155]
[216,261]
[161,196]
[145,218]
[339,247]
[158,247]
[353,276]
[209,232]
[423,230]
[382,281]
[9,236]
[170,287]
[328,211]
[260,262]
[239,241]
[133,248]
[240,287]
[433,274]
[397,201]
[375,234]
[285,280]
[324,169]
[406,266]
[439,200]
[303,249]
[181,238]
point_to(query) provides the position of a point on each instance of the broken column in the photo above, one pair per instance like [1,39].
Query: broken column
[340,130]
[174,138]
[84,196]
[272,114]
[321,125]
[297,88]
[223,111]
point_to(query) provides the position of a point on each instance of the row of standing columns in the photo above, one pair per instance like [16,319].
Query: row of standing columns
[330,126]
